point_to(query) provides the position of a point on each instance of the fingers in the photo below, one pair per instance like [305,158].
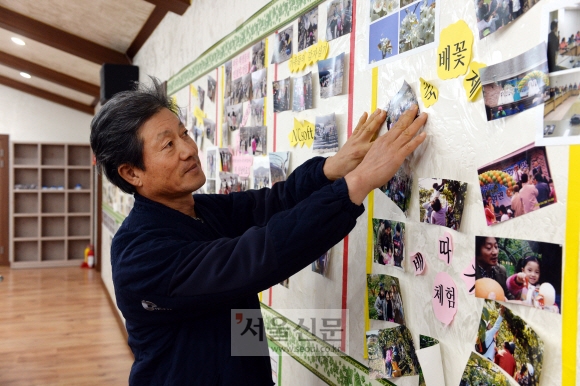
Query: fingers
[409,131]
[373,124]
[360,124]
[405,120]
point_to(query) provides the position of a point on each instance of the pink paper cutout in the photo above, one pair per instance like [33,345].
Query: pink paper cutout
[445,248]
[444,298]
[246,115]
[468,276]
[419,263]
[242,165]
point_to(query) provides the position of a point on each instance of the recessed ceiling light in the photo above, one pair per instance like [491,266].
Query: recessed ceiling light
[18,41]
[25,75]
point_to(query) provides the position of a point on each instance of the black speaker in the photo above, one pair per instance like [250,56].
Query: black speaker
[116,78]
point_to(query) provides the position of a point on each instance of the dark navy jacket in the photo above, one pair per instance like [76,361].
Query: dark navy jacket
[176,278]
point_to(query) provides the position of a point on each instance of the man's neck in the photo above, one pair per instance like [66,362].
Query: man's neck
[184,204]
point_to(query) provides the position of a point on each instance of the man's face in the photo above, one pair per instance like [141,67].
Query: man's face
[487,256]
[170,156]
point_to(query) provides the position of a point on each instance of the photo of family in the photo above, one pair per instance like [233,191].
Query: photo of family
[253,140]
[331,75]
[279,162]
[516,184]
[506,340]
[516,85]
[562,110]
[226,159]
[398,189]
[308,29]
[389,242]
[562,30]
[382,8]
[229,183]
[302,94]
[259,83]
[257,112]
[441,201]
[320,265]
[201,96]
[209,128]
[479,371]
[261,169]
[258,56]
[211,163]
[339,19]
[281,95]
[211,85]
[234,116]
[325,134]
[391,353]
[519,271]
[493,15]
[384,299]
[403,100]
[282,47]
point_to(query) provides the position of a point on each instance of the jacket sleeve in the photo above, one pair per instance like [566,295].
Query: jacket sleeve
[513,287]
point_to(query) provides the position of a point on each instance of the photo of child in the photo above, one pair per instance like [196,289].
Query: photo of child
[391,353]
[441,201]
[389,242]
[384,299]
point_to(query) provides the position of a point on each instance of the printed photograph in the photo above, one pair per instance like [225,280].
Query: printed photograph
[237,92]
[197,135]
[282,47]
[516,184]
[209,128]
[228,183]
[258,56]
[506,340]
[562,110]
[391,353]
[261,169]
[244,183]
[302,95]
[210,187]
[384,300]
[417,26]
[279,162]
[320,265]
[308,29]
[382,8]
[246,88]
[339,19]
[562,30]
[211,163]
[331,75]
[325,134]
[253,140]
[234,116]
[225,134]
[281,95]
[389,242]
[398,189]
[516,85]
[441,201]
[383,38]
[201,96]
[211,85]
[257,112]
[403,100]
[259,83]
[228,79]
[226,159]
[285,283]
[493,15]
[479,371]
[519,271]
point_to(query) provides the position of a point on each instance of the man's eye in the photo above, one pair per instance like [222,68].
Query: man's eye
[169,144]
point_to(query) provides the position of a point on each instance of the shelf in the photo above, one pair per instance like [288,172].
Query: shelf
[52,250]
[79,167]
[79,177]
[25,215]
[76,249]
[52,227]
[52,178]
[79,226]
[26,251]
[79,214]
[26,191]
[52,155]
[18,239]
[25,227]
[79,203]
[79,155]
[53,202]
[25,154]
[26,203]
[27,177]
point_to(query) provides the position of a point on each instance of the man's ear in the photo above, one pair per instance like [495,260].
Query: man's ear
[131,174]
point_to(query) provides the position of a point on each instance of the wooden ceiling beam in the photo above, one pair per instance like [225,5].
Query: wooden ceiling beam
[48,74]
[46,95]
[152,22]
[176,6]
[59,39]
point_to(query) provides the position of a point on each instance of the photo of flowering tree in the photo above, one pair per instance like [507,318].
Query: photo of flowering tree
[417,25]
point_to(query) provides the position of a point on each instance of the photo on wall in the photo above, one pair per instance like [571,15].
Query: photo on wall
[211,86]
[562,31]
[234,116]
[236,91]
[201,96]
[226,159]
[325,134]
[331,76]
[229,183]
[403,100]
[282,47]
[517,184]
[506,339]
[261,169]
[209,128]
[495,15]
[279,162]
[523,272]
[228,79]
[398,188]
[257,112]
[321,264]
[259,83]
[389,242]
[281,95]
[253,140]
[391,353]
[258,56]
[515,85]
[211,163]
[338,19]
[480,371]
[302,94]
[382,8]
[210,187]
[384,299]
[246,87]
[308,29]
[441,201]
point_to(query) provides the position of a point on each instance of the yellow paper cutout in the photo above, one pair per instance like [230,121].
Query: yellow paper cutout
[302,133]
[199,115]
[323,48]
[429,93]
[193,90]
[472,82]
[454,52]
[309,56]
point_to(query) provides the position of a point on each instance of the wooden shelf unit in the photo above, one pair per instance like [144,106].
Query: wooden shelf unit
[51,207]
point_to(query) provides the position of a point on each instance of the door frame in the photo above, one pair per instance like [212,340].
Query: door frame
[4,199]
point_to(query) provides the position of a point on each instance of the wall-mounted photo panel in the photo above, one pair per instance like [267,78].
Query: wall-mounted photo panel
[398,189]
[321,264]
[308,29]
[302,95]
[279,162]
[516,85]
[257,112]
[561,28]
[331,75]
[282,47]
[258,56]
[479,371]
[325,134]
[281,95]
[495,15]
[389,242]
[234,116]
[507,340]
[211,86]
[261,169]
[519,271]
[517,184]
[338,19]
[441,201]
[259,83]
[384,299]
[391,353]
[253,140]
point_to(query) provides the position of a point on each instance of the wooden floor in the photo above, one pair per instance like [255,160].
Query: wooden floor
[57,328]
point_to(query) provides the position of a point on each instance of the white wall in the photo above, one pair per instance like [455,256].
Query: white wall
[27,118]
[568,22]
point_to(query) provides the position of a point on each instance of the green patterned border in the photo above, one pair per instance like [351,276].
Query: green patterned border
[118,217]
[337,369]
[271,17]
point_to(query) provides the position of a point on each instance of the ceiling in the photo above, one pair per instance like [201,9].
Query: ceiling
[66,42]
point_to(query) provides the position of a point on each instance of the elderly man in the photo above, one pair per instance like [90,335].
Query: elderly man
[181,263]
